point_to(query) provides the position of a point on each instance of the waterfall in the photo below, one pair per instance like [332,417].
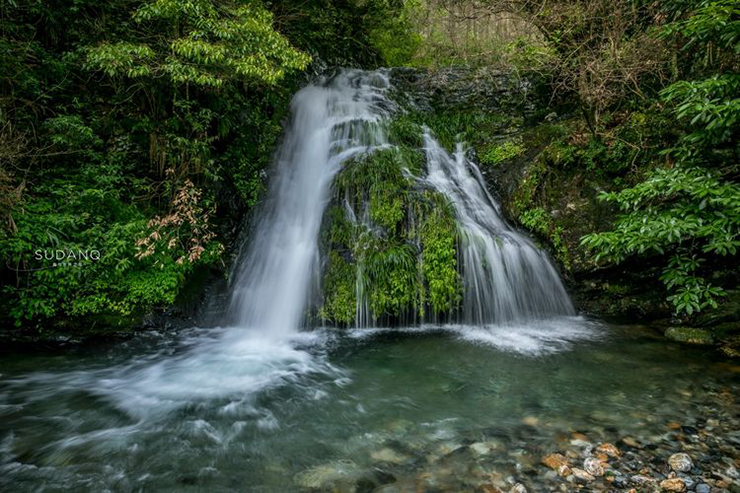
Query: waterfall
[332,121]
[506,278]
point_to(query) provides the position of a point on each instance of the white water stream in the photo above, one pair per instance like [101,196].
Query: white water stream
[332,121]
[506,277]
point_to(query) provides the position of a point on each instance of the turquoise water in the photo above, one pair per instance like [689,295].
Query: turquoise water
[213,409]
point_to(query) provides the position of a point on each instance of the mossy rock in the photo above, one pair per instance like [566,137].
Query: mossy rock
[689,335]
[731,347]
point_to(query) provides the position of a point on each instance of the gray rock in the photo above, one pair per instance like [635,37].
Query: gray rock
[518,488]
[593,466]
[582,475]
[641,480]
[680,462]
[702,488]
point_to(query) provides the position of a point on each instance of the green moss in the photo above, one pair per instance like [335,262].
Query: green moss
[339,287]
[474,126]
[689,335]
[496,154]
[406,131]
[439,256]
[524,195]
[392,281]
[561,248]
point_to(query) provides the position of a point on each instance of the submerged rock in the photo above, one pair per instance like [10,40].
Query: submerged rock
[593,466]
[582,475]
[608,449]
[388,455]
[680,462]
[689,335]
[324,475]
[555,461]
[675,484]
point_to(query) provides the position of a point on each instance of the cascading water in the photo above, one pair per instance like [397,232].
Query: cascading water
[506,278]
[332,122]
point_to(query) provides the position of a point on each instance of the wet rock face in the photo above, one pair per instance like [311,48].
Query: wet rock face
[455,88]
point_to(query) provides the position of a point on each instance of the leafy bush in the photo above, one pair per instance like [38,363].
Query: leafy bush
[689,211]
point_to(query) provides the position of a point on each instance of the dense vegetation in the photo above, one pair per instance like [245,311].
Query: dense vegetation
[142,130]
[136,134]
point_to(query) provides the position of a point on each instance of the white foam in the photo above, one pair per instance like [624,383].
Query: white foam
[532,338]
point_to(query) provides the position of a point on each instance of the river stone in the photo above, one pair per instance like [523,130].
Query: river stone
[593,466]
[702,488]
[555,461]
[689,335]
[518,488]
[320,477]
[641,480]
[388,455]
[608,449]
[675,484]
[564,471]
[680,462]
[484,448]
[582,475]
[631,442]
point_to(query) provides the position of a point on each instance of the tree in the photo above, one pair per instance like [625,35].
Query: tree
[689,210]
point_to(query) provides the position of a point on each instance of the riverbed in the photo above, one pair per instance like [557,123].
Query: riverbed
[432,408]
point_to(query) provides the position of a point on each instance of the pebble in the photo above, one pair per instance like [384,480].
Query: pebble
[640,480]
[608,449]
[593,466]
[631,442]
[680,462]
[555,461]
[702,488]
[582,475]
[675,484]
[518,488]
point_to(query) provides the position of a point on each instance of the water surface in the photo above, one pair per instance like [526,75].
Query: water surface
[213,409]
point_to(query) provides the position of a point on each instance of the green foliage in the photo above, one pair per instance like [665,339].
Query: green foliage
[498,153]
[110,111]
[339,286]
[537,220]
[391,279]
[86,217]
[473,126]
[394,37]
[439,256]
[205,44]
[691,210]
[399,259]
